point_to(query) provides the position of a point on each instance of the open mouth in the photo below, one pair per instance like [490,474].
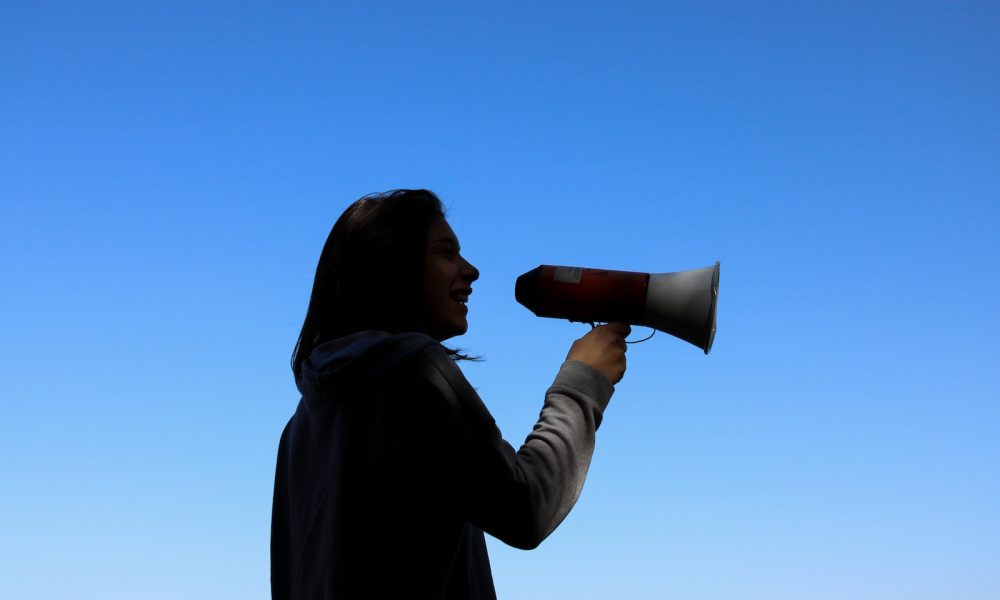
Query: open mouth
[461,296]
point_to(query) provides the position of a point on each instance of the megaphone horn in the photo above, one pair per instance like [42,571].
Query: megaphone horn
[681,303]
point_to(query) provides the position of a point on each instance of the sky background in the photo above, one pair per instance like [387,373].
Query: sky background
[169,172]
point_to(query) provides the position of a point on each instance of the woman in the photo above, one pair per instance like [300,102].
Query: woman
[392,468]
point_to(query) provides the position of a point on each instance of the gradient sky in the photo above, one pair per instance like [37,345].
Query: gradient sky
[169,172]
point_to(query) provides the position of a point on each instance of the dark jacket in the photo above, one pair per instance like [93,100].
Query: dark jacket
[392,468]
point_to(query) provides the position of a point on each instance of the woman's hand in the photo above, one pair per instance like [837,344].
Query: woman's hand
[604,349]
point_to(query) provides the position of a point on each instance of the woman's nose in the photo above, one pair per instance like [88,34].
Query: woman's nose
[469,272]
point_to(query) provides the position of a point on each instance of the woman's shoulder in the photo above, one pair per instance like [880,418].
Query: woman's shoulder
[363,358]
[438,367]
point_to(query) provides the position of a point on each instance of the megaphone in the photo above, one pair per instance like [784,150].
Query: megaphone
[681,303]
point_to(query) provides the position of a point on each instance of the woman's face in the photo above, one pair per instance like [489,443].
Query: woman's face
[447,283]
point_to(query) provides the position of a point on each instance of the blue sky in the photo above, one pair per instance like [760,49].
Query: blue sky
[170,172]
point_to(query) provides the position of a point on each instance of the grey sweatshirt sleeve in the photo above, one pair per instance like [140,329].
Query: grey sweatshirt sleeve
[521,497]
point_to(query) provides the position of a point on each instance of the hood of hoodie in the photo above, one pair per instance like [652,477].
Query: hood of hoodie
[354,360]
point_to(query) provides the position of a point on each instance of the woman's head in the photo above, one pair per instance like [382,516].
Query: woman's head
[385,266]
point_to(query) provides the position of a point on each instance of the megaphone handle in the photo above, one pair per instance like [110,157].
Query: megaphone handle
[643,339]
[593,325]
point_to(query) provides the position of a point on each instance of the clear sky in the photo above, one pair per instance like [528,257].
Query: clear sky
[169,172]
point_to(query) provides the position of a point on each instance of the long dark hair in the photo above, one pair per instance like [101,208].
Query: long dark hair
[370,273]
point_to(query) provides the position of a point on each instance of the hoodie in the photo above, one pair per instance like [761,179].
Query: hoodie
[392,468]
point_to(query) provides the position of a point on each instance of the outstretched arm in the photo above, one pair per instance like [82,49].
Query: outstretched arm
[521,496]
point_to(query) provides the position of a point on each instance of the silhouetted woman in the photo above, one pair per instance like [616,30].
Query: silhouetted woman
[392,468]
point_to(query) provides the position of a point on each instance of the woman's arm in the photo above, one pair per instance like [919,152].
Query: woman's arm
[519,497]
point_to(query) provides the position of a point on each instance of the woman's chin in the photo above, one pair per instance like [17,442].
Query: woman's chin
[451,331]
